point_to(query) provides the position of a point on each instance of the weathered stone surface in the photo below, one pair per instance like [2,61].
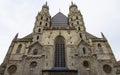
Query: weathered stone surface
[84,53]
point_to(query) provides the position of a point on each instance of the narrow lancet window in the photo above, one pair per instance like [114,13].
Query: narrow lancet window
[84,50]
[19,49]
[46,24]
[59,52]
[76,17]
[39,30]
[100,48]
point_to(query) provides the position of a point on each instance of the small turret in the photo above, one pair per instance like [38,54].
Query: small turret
[45,8]
[72,6]
[42,19]
[75,18]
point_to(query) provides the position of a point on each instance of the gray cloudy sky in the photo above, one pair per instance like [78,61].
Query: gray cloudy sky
[18,16]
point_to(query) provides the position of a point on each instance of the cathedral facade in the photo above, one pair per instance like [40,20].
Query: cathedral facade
[59,45]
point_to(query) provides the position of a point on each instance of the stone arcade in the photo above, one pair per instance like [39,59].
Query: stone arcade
[59,45]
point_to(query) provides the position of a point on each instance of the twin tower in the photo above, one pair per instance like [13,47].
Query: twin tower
[59,45]
[59,21]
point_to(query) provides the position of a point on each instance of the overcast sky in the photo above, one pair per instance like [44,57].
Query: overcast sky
[18,16]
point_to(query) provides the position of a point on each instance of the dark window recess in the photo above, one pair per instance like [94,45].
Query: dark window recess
[46,19]
[37,37]
[33,64]
[80,35]
[59,52]
[78,28]
[35,52]
[19,49]
[76,54]
[41,17]
[46,24]
[40,23]
[86,64]
[77,22]
[76,17]
[72,24]
[39,30]
[100,48]
[84,50]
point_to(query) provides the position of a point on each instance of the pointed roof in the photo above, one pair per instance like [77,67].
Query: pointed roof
[59,20]
[90,36]
[26,38]
[73,5]
[45,6]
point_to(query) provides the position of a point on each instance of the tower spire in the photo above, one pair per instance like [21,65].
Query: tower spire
[46,3]
[103,36]
[71,2]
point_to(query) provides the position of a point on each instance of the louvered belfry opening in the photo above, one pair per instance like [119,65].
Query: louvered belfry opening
[59,51]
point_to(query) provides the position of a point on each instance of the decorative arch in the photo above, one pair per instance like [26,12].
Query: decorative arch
[19,48]
[12,69]
[59,51]
[35,49]
[33,64]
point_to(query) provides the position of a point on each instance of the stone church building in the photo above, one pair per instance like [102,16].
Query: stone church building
[59,45]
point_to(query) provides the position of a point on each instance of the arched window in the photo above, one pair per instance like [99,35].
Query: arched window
[84,50]
[76,17]
[72,24]
[46,24]
[40,23]
[19,49]
[100,48]
[35,52]
[77,22]
[46,19]
[33,64]
[80,35]
[39,30]
[37,37]
[78,28]
[59,52]
[12,69]
[86,64]
[41,17]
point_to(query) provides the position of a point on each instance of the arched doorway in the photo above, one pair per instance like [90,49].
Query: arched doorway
[59,51]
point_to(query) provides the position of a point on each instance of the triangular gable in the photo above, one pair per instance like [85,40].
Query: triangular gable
[59,20]
[36,43]
[84,43]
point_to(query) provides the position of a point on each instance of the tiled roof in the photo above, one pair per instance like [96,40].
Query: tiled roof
[59,20]
[90,36]
[26,38]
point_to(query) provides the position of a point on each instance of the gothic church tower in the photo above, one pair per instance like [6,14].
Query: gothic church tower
[59,45]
